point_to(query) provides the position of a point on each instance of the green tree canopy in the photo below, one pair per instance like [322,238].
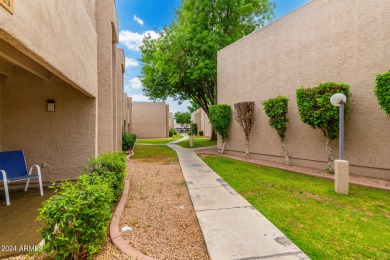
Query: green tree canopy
[193,107]
[182,63]
[182,118]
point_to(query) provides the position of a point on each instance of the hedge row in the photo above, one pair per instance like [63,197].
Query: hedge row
[77,217]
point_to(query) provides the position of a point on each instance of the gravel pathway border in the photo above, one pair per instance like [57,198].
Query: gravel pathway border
[115,234]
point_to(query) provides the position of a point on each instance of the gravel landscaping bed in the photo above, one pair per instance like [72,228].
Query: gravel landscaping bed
[160,213]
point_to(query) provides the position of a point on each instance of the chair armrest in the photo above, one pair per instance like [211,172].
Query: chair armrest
[4,176]
[38,169]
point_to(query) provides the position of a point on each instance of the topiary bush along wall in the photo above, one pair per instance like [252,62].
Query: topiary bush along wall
[316,110]
[220,117]
[382,91]
[276,110]
[77,217]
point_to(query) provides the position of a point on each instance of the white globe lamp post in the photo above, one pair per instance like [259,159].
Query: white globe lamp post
[341,166]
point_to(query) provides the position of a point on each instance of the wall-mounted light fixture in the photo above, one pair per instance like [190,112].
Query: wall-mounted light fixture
[51,105]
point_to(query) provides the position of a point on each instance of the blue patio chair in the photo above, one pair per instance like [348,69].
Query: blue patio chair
[13,168]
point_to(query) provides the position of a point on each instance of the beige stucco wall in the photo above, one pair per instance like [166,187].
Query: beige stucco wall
[66,48]
[149,120]
[106,75]
[49,50]
[90,7]
[120,68]
[126,113]
[326,40]
[171,121]
[202,122]
[60,142]
[129,113]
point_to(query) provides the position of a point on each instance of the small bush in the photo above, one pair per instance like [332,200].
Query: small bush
[112,168]
[128,141]
[194,129]
[382,91]
[77,217]
[200,133]
[171,132]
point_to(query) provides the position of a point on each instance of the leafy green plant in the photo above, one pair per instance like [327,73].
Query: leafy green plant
[382,91]
[316,110]
[111,167]
[182,63]
[194,129]
[172,132]
[77,217]
[220,118]
[128,141]
[277,109]
[182,118]
[200,133]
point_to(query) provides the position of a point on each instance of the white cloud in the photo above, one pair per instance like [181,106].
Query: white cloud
[138,20]
[133,40]
[135,83]
[175,107]
[130,62]
[140,98]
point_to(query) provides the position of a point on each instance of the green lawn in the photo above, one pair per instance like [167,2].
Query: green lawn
[324,224]
[154,153]
[159,140]
[198,142]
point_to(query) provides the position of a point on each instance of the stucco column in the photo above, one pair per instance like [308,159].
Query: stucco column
[104,13]
[120,70]
[341,178]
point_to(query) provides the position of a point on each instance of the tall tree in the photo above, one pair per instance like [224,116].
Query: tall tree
[193,107]
[182,118]
[182,63]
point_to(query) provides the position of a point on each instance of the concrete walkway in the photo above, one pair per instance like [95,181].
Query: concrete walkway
[231,227]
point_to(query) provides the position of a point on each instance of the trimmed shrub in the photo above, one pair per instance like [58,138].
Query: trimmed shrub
[200,133]
[220,117]
[128,141]
[382,91]
[172,132]
[194,129]
[276,110]
[316,110]
[77,217]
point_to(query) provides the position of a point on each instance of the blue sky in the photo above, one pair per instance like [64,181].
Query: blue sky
[140,17]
